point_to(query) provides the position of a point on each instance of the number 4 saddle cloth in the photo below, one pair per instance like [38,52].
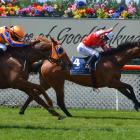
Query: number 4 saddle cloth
[78,67]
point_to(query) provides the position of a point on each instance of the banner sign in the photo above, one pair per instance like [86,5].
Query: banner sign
[71,31]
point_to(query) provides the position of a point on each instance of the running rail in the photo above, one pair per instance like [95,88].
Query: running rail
[131,67]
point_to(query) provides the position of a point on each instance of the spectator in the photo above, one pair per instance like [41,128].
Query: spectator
[2,1]
[41,1]
[84,1]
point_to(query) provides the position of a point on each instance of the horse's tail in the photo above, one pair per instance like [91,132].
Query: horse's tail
[35,68]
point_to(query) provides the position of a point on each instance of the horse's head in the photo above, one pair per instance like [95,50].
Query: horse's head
[39,51]
[59,55]
[44,50]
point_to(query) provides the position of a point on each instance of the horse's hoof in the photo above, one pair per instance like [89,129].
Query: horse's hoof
[136,107]
[61,117]
[69,115]
[21,113]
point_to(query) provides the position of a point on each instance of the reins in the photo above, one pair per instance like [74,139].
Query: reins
[53,60]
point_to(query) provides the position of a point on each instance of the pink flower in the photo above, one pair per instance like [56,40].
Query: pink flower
[3,15]
[131,9]
[72,7]
[103,6]
[111,12]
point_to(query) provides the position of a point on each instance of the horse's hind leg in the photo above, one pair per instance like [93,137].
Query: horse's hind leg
[33,90]
[29,99]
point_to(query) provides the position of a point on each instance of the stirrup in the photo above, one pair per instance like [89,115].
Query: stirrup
[1,52]
[87,66]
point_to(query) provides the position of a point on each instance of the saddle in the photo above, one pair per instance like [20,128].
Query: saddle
[78,66]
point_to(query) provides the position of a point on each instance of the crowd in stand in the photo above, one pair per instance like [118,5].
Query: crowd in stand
[74,9]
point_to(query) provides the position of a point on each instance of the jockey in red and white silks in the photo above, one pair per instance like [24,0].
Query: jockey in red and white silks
[94,40]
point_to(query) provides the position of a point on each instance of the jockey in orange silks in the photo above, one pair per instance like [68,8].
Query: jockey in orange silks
[12,36]
[95,40]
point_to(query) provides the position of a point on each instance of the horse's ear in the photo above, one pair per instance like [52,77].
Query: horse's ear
[55,42]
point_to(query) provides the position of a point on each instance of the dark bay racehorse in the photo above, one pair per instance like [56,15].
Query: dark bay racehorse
[15,66]
[107,74]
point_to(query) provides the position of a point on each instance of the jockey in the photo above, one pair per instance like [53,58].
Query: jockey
[95,40]
[12,36]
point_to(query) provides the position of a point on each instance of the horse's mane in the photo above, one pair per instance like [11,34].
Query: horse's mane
[120,48]
[11,49]
[25,49]
[17,51]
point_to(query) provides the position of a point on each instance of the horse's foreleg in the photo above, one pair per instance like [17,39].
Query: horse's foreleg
[132,96]
[130,88]
[45,86]
[60,100]
[25,105]
[126,90]
[126,93]
[33,91]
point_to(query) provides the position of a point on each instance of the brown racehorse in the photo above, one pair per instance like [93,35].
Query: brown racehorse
[107,74]
[15,66]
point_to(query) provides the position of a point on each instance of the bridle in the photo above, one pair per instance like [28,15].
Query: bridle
[59,51]
[54,60]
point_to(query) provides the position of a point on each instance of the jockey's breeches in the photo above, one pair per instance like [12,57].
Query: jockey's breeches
[3,47]
[82,49]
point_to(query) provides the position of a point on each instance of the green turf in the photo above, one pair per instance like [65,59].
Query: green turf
[89,124]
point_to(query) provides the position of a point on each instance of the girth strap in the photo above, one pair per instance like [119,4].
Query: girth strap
[94,80]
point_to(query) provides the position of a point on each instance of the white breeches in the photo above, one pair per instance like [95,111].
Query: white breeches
[82,49]
[3,47]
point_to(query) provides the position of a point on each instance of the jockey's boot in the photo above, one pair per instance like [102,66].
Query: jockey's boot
[92,59]
[1,52]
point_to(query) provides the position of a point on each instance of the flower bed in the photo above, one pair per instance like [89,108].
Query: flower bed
[77,10]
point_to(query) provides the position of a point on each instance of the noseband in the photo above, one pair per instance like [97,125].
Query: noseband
[59,61]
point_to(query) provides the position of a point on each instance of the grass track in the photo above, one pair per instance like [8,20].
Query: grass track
[87,124]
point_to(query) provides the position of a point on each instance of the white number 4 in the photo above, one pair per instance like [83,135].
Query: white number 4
[76,62]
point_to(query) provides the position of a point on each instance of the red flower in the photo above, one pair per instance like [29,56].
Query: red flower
[35,4]
[90,11]
[14,1]
[1,9]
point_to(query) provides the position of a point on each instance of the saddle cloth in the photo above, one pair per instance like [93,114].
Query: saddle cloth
[78,67]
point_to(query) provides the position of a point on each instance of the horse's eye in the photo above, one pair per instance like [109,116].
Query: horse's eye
[59,50]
